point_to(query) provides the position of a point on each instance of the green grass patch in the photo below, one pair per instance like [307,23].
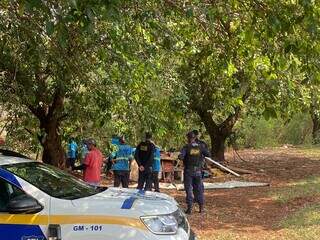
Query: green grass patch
[305,188]
[309,151]
[306,217]
[305,233]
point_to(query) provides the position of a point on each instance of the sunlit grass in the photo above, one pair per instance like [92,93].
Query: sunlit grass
[305,188]
[303,233]
[306,217]
[302,224]
[308,151]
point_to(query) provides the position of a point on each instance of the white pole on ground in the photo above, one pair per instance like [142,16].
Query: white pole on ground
[223,167]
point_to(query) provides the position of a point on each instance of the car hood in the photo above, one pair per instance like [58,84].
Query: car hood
[119,201]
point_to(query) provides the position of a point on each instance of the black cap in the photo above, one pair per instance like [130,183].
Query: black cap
[91,141]
[148,135]
[191,135]
[196,132]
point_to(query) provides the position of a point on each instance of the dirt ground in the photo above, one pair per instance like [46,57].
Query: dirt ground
[252,211]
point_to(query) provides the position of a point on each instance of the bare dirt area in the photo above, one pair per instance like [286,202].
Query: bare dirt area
[253,213]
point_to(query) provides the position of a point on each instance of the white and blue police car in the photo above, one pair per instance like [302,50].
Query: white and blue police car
[41,202]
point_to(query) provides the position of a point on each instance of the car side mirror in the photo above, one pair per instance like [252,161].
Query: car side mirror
[24,204]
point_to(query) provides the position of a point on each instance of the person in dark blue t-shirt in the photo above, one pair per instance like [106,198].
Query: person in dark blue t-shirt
[144,156]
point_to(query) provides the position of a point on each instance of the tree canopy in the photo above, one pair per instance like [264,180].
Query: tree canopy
[100,68]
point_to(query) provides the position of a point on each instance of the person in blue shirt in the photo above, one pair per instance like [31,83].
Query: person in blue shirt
[121,160]
[156,168]
[72,152]
[84,150]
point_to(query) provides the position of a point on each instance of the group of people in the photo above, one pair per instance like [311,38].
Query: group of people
[146,154]
[147,157]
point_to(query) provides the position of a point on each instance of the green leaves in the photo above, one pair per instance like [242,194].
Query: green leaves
[21,8]
[269,112]
[49,28]
[154,65]
[74,3]
[231,69]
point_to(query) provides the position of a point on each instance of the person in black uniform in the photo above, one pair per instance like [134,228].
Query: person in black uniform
[192,156]
[205,145]
[144,156]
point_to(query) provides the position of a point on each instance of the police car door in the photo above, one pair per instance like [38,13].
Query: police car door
[22,217]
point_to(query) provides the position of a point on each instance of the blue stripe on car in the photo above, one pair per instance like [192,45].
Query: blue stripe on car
[21,232]
[9,177]
[128,203]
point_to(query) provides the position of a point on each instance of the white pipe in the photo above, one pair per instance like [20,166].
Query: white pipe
[223,167]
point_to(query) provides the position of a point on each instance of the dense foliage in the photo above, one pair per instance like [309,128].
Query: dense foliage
[98,68]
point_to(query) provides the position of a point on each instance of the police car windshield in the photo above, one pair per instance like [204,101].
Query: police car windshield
[52,180]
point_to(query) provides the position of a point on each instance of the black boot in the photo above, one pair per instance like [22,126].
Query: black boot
[201,208]
[189,210]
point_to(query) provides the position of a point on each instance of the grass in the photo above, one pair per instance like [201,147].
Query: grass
[302,224]
[309,151]
[305,188]
[304,233]
[306,217]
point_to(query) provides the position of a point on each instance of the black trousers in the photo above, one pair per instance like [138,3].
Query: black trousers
[194,188]
[71,162]
[145,180]
[121,177]
[155,180]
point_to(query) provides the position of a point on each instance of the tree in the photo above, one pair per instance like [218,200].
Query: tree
[78,67]
[229,57]
[47,53]
[300,41]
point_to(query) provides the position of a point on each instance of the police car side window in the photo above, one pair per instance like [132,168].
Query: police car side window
[7,192]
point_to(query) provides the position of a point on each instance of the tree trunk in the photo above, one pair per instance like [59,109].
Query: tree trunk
[216,135]
[217,145]
[314,108]
[219,133]
[315,126]
[50,117]
[53,152]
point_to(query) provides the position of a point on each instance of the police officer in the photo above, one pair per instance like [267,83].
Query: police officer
[156,167]
[204,144]
[121,163]
[192,156]
[144,156]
